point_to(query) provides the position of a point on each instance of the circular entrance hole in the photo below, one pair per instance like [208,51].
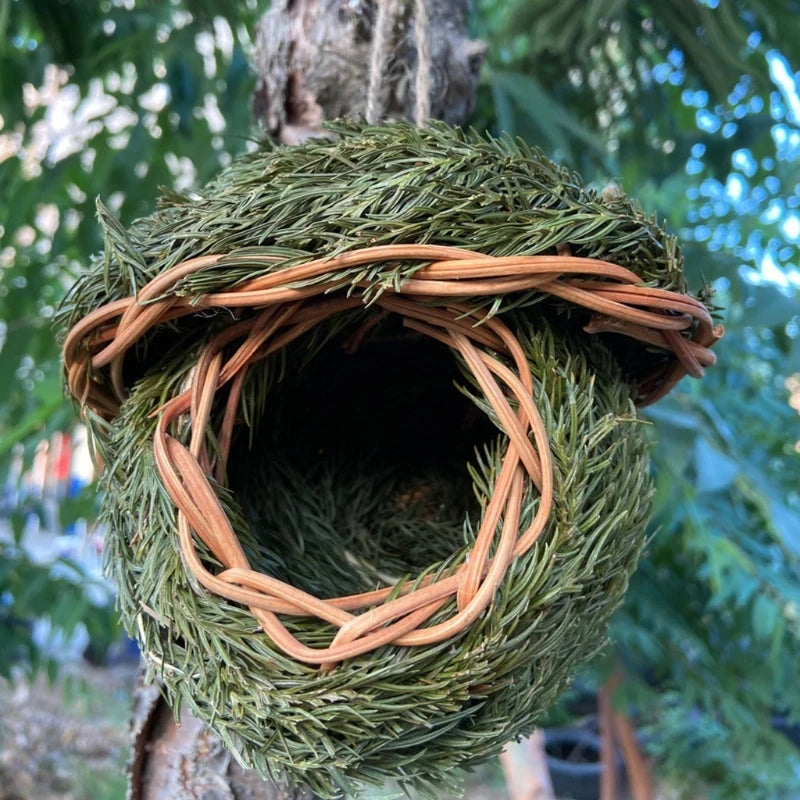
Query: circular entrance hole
[357,471]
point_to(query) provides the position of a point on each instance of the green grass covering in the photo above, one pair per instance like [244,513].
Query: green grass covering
[314,492]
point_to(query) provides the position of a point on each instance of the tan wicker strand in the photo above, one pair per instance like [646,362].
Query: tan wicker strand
[276,313]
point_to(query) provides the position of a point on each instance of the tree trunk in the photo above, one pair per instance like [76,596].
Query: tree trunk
[171,761]
[312,59]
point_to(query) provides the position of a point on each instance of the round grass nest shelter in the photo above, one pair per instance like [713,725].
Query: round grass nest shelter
[374,479]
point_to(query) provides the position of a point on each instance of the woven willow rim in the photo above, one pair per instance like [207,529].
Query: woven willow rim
[282,314]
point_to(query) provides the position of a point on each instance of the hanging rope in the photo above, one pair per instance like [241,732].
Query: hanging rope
[422,106]
[378,59]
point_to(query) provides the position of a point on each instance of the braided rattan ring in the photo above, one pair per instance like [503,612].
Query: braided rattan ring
[271,314]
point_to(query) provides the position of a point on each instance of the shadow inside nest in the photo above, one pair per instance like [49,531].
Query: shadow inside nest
[356,474]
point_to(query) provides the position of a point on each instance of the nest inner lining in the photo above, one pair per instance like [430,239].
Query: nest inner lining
[376,440]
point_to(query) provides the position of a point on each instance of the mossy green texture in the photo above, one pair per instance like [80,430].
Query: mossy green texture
[415,715]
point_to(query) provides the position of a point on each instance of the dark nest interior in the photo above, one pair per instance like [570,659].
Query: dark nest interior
[356,472]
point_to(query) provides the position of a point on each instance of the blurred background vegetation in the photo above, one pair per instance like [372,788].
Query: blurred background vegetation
[690,105]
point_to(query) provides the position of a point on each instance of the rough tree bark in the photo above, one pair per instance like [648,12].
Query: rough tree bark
[312,58]
[312,62]
[187,760]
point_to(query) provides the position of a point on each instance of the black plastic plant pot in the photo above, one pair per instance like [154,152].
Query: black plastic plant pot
[573,756]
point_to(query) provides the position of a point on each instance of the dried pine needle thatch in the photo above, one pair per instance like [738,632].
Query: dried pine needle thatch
[374,479]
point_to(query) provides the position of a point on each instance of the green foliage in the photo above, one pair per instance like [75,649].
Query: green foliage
[607,36]
[613,67]
[123,142]
[710,633]
[56,592]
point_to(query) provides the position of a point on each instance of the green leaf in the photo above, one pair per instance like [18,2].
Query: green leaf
[770,306]
[715,469]
[765,616]
[555,124]
[786,523]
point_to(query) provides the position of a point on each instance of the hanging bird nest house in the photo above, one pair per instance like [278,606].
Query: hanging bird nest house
[374,478]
